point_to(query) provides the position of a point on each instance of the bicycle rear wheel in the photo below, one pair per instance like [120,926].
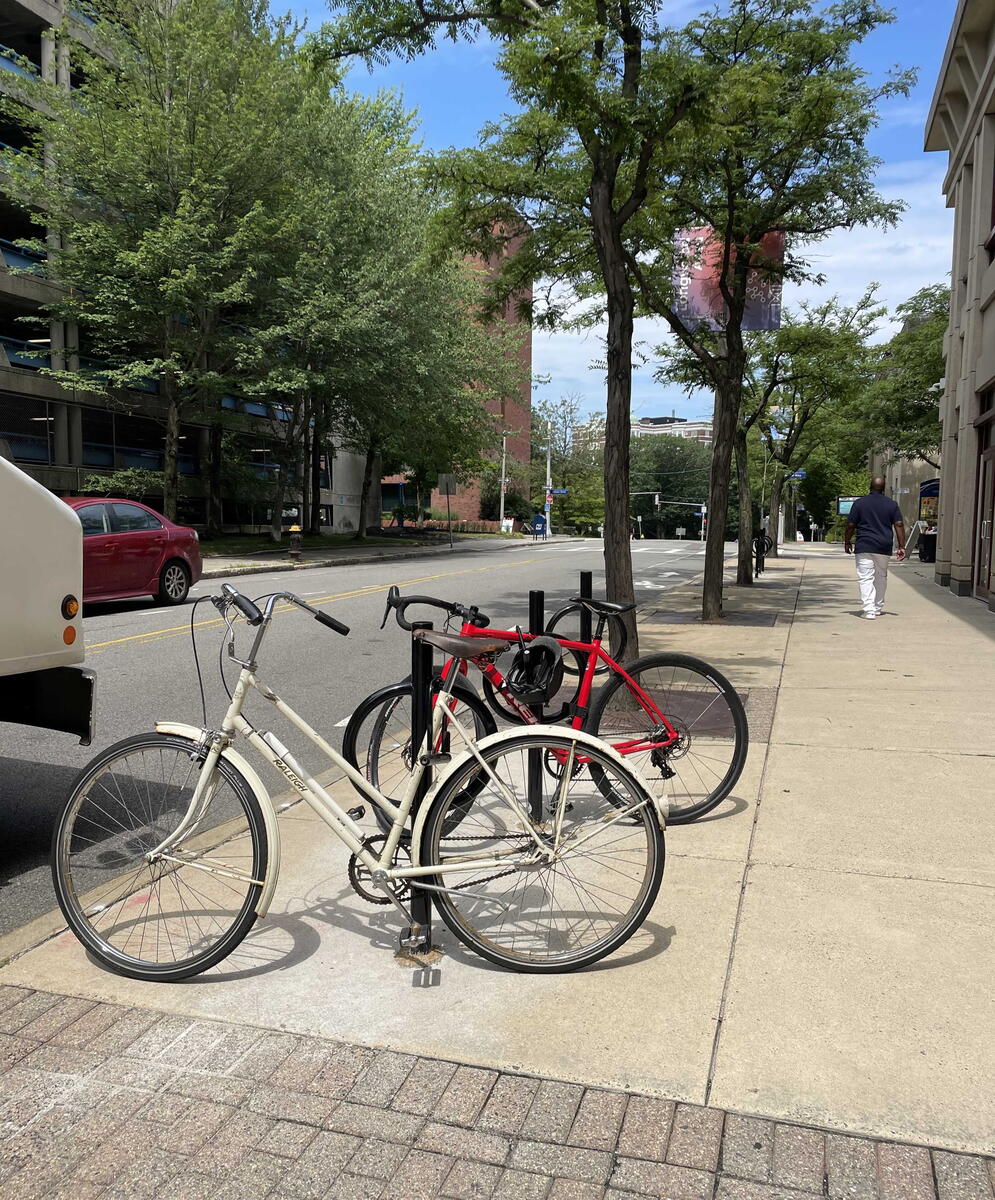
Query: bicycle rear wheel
[566,624]
[543,912]
[165,916]
[377,740]
[701,768]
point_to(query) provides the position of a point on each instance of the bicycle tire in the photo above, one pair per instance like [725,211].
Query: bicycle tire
[723,738]
[375,707]
[617,636]
[535,944]
[143,813]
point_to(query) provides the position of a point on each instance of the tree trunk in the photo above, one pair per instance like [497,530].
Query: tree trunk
[171,449]
[276,517]
[776,489]
[364,496]
[744,565]
[215,514]
[725,421]
[317,449]
[618,550]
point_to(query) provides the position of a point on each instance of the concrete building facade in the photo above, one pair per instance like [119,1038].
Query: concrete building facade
[962,122]
[693,431]
[61,436]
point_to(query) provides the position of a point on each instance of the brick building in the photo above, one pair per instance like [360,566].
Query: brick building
[514,415]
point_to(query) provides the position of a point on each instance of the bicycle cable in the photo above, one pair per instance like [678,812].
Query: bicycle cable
[196,659]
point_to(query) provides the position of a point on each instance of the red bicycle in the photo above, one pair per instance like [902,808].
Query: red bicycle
[679,719]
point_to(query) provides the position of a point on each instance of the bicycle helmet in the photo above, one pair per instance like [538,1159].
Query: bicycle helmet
[536,671]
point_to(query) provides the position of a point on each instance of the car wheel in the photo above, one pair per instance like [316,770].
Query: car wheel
[174,583]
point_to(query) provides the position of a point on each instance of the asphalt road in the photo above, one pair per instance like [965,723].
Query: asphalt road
[141,654]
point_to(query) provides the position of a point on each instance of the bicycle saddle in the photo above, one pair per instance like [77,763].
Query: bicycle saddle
[460,647]
[604,608]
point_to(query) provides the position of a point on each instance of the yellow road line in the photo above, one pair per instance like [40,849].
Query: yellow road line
[372,589]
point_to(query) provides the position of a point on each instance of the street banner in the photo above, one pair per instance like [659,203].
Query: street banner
[698,268]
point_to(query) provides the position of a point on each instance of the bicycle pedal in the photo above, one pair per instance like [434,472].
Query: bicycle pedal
[357,813]
[413,938]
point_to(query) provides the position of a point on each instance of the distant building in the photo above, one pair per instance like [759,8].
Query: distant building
[674,426]
[961,123]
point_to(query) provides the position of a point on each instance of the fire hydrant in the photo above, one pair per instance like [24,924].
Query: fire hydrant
[295,541]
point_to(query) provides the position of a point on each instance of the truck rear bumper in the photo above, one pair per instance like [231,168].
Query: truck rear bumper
[60,698]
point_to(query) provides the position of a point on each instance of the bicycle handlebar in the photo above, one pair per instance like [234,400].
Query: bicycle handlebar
[254,616]
[400,603]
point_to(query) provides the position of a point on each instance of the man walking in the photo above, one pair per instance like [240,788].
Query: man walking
[873,517]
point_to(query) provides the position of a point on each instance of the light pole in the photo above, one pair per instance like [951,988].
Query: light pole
[549,482]
[504,482]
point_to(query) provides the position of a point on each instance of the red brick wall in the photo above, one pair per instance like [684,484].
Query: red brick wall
[515,413]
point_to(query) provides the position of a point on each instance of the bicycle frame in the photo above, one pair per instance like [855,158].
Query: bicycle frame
[593,653]
[217,743]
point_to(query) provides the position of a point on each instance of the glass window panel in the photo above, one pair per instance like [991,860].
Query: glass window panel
[98,437]
[93,518]
[129,518]
[26,428]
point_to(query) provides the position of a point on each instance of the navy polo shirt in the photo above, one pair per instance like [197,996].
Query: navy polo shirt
[874,515]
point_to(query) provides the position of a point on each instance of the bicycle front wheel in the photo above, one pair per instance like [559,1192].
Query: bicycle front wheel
[710,734]
[543,872]
[144,905]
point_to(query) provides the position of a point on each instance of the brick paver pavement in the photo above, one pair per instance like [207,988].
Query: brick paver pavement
[102,1100]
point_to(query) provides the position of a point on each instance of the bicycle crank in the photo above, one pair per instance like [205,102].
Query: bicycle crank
[361,878]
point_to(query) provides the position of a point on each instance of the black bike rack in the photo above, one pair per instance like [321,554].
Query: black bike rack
[587,592]
[537,623]
[760,551]
[419,937]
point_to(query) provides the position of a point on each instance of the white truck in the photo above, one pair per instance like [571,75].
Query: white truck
[41,602]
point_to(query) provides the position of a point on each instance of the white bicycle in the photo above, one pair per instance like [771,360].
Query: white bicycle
[540,848]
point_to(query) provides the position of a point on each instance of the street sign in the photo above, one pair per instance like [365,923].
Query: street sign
[797,475]
[559,491]
[549,498]
[446,485]
[681,531]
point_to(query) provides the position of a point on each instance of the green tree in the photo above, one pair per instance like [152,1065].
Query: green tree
[676,470]
[899,413]
[164,180]
[819,361]
[600,91]
[782,152]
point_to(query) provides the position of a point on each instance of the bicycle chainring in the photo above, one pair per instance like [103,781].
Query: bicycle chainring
[359,873]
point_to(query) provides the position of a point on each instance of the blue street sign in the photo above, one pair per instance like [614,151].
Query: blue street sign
[560,491]
[797,475]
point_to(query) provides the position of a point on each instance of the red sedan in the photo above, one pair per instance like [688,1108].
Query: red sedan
[131,550]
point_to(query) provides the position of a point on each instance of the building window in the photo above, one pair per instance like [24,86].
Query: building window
[25,429]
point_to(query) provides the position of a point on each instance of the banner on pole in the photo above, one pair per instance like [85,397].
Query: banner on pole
[697,272]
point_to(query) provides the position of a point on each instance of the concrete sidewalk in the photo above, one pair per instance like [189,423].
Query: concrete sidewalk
[821,952]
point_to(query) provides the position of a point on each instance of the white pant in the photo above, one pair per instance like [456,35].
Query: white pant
[872,579]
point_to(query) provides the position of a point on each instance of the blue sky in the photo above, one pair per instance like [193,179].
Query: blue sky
[456,89]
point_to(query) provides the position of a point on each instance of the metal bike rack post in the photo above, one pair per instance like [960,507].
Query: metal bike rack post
[421,722]
[587,591]
[537,621]
[760,551]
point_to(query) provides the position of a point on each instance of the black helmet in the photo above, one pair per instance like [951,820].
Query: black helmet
[536,671]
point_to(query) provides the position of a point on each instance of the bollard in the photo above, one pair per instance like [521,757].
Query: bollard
[419,937]
[587,591]
[295,541]
[537,624]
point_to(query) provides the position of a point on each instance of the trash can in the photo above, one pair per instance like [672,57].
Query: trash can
[927,547]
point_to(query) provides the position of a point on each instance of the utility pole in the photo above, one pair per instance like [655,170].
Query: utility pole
[549,481]
[504,462]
